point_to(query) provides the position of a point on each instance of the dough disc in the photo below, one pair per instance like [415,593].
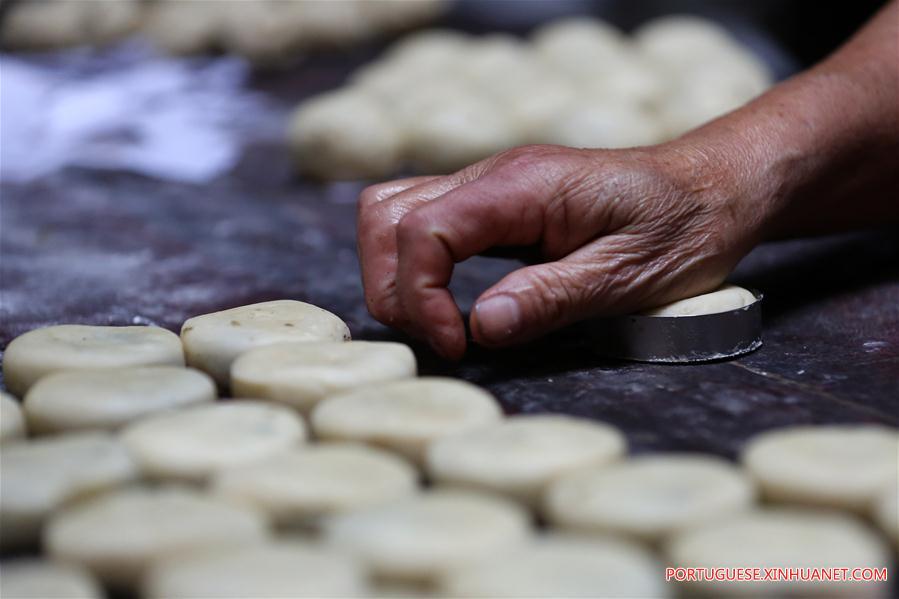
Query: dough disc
[649,497]
[302,485]
[405,415]
[213,341]
[521,455]
[12,422]
[118,535]
[111,398]
[40,476]
[782,538]
[345,135]
[843,467]
[282,569]
[191,444]
[39,352]
[723,299]
[302,374]
[422,537]
[886,512]
[40,579]
[562,566]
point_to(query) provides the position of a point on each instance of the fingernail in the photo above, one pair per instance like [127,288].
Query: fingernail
[499,317]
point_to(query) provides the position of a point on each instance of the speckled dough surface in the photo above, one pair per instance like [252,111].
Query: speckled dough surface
[118,535]
[886,512]
[193,443]
[649,497]
[280,569]
[12,421]
[42,579]
[423,537]
[74,347]
[301,486]
[302,374]
[843,467]
[782,538]
[521,455]
[562,566]
[110,398]
[40,476]
[213,341]
[405,416]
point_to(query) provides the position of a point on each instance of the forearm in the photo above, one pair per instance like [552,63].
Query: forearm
[820,152]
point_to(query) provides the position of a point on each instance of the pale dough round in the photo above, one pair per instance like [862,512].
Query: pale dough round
[404,416]
[333,24]
[41,579]
[346,134]
[387,82]
[40,476]
[299,487]
[112,20]
[842,467]
[502,66]
[633,81]
[12,422]
[412,68]
[110,398]
[781,539]
[434,49]
[397,16]
[302,374]
[580,47]
[649,497]
[49,24]
[886,512]
[425,536]
[180,27]
[411,108]
[689,107]
[265,32]
[453,99]
[193,443]
[118,535]
[680,40]
[213,341]
[535,111]
[458,131]
[44,25]
[562,566]
[282,569]
[39,352]
[710,90]
[593,123]
[520,456]
[723,299]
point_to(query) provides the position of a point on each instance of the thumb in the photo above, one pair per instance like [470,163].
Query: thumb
[533,301]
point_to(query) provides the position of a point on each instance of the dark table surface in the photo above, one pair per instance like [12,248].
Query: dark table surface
[102,247]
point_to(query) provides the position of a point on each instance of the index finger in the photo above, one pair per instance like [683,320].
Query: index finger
[494,210]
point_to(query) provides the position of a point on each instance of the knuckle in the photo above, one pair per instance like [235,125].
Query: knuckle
[530,156]
[413,225]
[371,195]
[520,157]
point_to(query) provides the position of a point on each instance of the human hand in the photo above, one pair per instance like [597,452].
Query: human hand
[619,230]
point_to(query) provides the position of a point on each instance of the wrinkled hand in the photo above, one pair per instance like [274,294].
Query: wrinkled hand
[619,230]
